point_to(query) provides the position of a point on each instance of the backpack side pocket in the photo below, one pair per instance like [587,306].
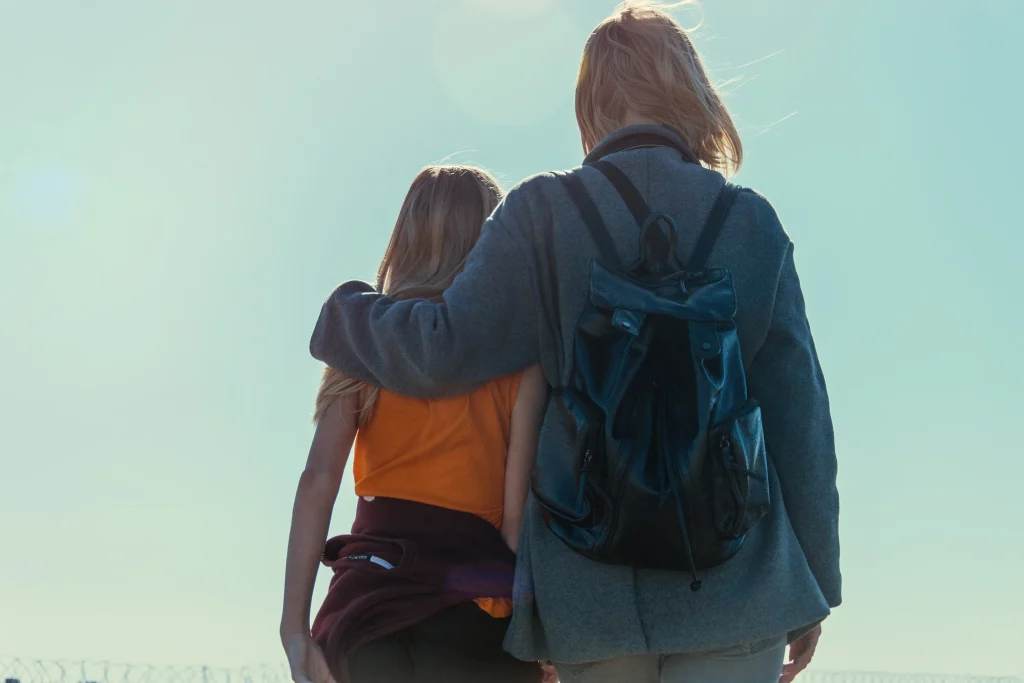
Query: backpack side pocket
[741,496]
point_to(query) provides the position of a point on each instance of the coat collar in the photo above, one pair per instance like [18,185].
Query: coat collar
[645,135]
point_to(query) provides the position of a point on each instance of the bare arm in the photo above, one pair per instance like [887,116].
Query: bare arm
[311,515]
[527,415]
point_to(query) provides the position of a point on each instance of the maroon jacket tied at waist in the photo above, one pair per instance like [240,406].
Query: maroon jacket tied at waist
[405,562]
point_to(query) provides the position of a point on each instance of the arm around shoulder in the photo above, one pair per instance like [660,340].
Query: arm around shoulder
[486,327]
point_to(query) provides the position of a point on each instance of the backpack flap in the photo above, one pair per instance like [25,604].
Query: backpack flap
[709,297]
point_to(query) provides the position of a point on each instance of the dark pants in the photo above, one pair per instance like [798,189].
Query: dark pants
[461,644]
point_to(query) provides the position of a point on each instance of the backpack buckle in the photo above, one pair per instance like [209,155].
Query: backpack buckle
[704,341]
[629,322]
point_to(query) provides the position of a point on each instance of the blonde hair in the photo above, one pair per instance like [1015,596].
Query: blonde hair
[437,227]
[640,61]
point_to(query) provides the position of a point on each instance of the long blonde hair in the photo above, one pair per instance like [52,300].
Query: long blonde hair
[438,225]
[640,61]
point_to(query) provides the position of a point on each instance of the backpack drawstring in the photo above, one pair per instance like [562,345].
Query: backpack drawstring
[669,475]
[673,485]
[696,584]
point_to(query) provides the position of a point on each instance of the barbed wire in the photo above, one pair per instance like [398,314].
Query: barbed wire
[879,677]
[66,671]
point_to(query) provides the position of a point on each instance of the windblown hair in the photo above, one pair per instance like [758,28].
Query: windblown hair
[437,227]
[640,61]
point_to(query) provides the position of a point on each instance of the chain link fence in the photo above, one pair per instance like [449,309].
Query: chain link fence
[56,671]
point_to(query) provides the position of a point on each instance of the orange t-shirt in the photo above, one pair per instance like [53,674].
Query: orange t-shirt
[446,452]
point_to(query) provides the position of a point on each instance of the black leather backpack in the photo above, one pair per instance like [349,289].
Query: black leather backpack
[669,468]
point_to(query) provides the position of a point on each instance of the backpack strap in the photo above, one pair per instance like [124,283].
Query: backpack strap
[716,219]
[591,218]
[658,247]
[642,212]
[626,189]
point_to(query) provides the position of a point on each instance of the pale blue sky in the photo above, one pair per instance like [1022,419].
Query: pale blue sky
[182,183]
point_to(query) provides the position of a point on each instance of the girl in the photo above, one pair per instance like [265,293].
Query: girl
[422,586]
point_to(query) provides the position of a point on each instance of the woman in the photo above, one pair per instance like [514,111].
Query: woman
[644,105]
[422,586]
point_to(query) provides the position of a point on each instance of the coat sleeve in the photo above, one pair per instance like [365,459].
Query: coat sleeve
[786,378]
[486,327]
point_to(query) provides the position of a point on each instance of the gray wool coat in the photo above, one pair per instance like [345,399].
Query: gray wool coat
[516,304]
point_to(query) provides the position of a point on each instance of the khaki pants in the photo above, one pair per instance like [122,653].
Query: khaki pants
[759,662]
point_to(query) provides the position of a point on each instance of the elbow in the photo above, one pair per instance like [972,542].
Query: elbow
[318,343]
[314,347]
[316,483]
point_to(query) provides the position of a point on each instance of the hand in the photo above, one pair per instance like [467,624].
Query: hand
[800,654]
[306,661]
[550,675]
